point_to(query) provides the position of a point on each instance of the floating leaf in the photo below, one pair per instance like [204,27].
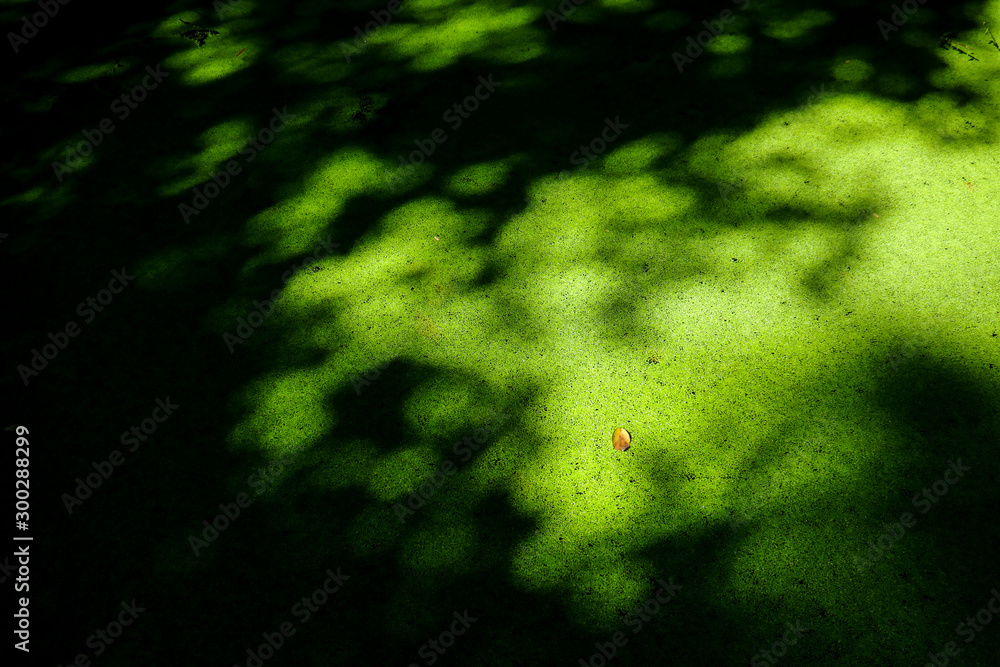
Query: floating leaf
[621,439]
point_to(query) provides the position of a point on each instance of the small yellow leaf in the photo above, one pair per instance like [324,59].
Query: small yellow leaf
[621,439]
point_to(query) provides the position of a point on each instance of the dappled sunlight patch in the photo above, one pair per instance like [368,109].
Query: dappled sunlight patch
[220,56]
[575,480]
[728,45]
[309,215]
[31,196]
[943,109]
[401,273]
[539,558]
[560,234]
[604,585]
[853,71]
[220,143]
[570,530]
[605,252]
[462,32]
[717,291]
[608,592]
[712,152]
[289,410]
[645,199]
[805,165]
[400,472]
[479,179]
[349,170]
[799,253]
[635,156]
[407,235]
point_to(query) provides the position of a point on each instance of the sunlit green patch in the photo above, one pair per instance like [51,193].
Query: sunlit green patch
[853,70]
[447,36]
[479,179]
[785,297]
[729,44]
